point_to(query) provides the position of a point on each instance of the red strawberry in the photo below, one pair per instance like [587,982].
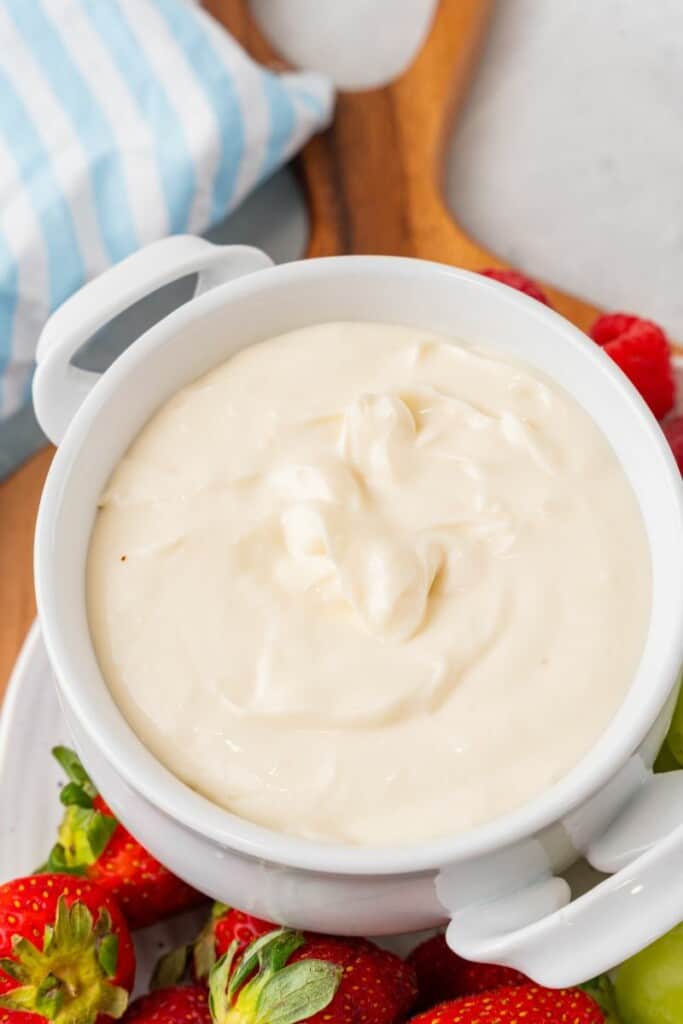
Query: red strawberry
[310,977]
[65,952]
[640,348]
[92,843]
[232,925]
[181,1004]
[233,930]
[673,430]
[521,282]
[530,1004]
[442,974]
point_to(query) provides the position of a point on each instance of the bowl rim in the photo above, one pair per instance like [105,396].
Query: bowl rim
[152,780]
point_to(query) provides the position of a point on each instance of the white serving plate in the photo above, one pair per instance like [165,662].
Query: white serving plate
[31,724]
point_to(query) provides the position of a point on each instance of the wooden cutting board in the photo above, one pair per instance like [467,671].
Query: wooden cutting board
[373,184]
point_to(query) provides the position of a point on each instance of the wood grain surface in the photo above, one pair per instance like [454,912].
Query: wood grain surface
[19,497]
[374,185]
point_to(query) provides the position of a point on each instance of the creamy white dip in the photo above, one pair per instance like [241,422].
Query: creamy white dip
[364,584]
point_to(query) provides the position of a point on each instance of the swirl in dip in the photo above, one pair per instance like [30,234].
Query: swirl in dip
[364,584]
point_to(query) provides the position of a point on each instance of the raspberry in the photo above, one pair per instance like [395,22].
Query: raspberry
[640,348]
[673,431]
[611,326]
[521,282]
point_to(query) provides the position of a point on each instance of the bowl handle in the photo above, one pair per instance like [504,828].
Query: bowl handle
[59,387]
[559,943]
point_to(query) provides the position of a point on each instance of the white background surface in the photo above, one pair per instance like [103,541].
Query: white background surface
[568,160]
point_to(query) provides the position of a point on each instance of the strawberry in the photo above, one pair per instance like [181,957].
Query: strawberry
[673,430]
[515,1004]
[309,977]
[181,1004]
[230,932]
[521,282]
[640,348]
[93,843]
[66,954]
[230,925]
[442,974]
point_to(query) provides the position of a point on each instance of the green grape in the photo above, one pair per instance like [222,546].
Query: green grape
[666,762]
[649,987]
[674,739]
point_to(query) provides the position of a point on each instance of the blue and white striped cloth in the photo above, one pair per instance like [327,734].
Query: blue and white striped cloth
[122,121]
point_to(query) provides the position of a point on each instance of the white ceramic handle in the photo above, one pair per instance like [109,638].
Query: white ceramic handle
[58,387]
[612,921]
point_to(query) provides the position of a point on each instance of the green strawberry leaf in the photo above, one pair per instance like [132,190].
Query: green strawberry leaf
[103,924]
[49,997]
[298,991]
[72,793]
[13,969]
[219,1007]
[170,968]
[26,953]
[264,989]
[108,954]
[113,1002]
[56,861]
[204,952]
[99,830]
[204,946]
[83,835]
[19,999]
[268,952]
[73,769]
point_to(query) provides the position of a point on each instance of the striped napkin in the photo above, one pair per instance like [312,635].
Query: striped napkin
[122,121]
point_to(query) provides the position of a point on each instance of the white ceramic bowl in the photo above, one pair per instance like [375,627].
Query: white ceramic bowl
[497,883]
